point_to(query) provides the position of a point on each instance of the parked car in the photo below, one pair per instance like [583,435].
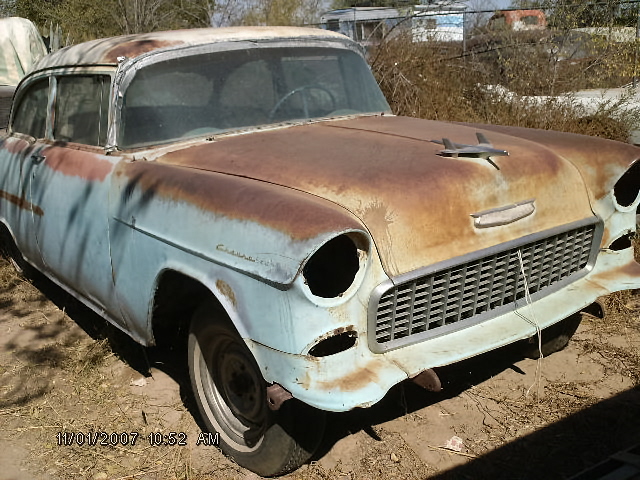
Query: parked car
[251,187]
[517,20]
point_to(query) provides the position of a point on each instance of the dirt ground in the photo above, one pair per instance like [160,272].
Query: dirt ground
[62,369]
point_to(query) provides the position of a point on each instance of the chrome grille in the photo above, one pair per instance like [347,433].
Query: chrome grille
[478,289]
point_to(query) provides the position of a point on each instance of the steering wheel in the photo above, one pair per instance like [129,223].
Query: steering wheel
[305,104]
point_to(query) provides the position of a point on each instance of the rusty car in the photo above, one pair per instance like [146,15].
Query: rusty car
[246,193]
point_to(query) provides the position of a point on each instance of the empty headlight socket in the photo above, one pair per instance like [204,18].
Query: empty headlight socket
[623,242]
[627,188]
[331,270]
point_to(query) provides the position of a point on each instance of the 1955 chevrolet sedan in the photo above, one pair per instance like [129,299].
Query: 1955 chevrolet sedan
[249,187]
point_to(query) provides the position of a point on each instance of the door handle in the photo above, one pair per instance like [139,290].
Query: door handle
[37,159]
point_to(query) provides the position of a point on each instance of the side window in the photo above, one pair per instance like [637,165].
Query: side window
[30,117]
[82,109]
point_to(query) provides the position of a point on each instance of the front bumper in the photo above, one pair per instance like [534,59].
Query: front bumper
[358,377]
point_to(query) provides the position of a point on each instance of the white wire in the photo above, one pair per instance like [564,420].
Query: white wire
[532,321]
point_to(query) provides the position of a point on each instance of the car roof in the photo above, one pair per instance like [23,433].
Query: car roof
[106,51]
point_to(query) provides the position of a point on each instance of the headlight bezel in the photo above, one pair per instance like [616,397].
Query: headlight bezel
[334,271]
[626,190]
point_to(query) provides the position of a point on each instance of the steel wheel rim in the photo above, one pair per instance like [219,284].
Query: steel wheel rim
[235,392]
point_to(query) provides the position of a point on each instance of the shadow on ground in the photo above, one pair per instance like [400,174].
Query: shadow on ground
[44,343]
[407,397]
[564,448]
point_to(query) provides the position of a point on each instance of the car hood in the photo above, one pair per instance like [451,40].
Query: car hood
[416,203]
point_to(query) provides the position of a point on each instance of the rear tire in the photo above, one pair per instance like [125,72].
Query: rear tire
[10,251]
[231,396]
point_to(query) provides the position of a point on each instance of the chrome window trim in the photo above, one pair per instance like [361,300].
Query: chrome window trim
[52,73]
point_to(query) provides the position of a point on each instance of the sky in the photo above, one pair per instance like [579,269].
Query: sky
[487,4]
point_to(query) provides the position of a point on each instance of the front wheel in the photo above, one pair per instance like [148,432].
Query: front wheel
[554,338]
[231,396]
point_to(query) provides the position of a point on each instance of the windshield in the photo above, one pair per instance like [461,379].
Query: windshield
[222,91]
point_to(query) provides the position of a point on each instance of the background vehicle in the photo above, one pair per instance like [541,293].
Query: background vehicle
[20,47]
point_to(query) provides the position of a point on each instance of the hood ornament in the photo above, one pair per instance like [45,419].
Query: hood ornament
[484,149]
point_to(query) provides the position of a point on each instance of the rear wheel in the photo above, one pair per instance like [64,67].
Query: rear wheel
[10,251]
[231,396]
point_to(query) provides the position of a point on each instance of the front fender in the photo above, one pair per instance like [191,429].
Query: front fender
[262,230]
[252,235]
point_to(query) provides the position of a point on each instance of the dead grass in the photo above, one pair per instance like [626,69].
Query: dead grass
[83,397]
[14,288]
[622,320]
[435,81]
[56,379]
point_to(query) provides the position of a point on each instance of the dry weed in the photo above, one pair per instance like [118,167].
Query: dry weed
[622,319]
[435,81]
[14,288]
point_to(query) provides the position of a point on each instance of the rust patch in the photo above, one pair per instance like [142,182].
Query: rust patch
[428,379]
[378,217]
[333,333]
[22,202]
[377,213]
[340,330]
[224,288]
[16,145]
[134,48]
[601,161]
[276,396]
[354,381]
[107,50]
[629,270]
[296,214]
[230,251]
[606,238]
[77,163]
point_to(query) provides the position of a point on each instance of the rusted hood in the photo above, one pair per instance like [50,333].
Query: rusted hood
[387,171]
[601,162]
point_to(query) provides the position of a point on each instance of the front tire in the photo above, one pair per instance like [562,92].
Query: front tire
[554,338]
[231,396]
